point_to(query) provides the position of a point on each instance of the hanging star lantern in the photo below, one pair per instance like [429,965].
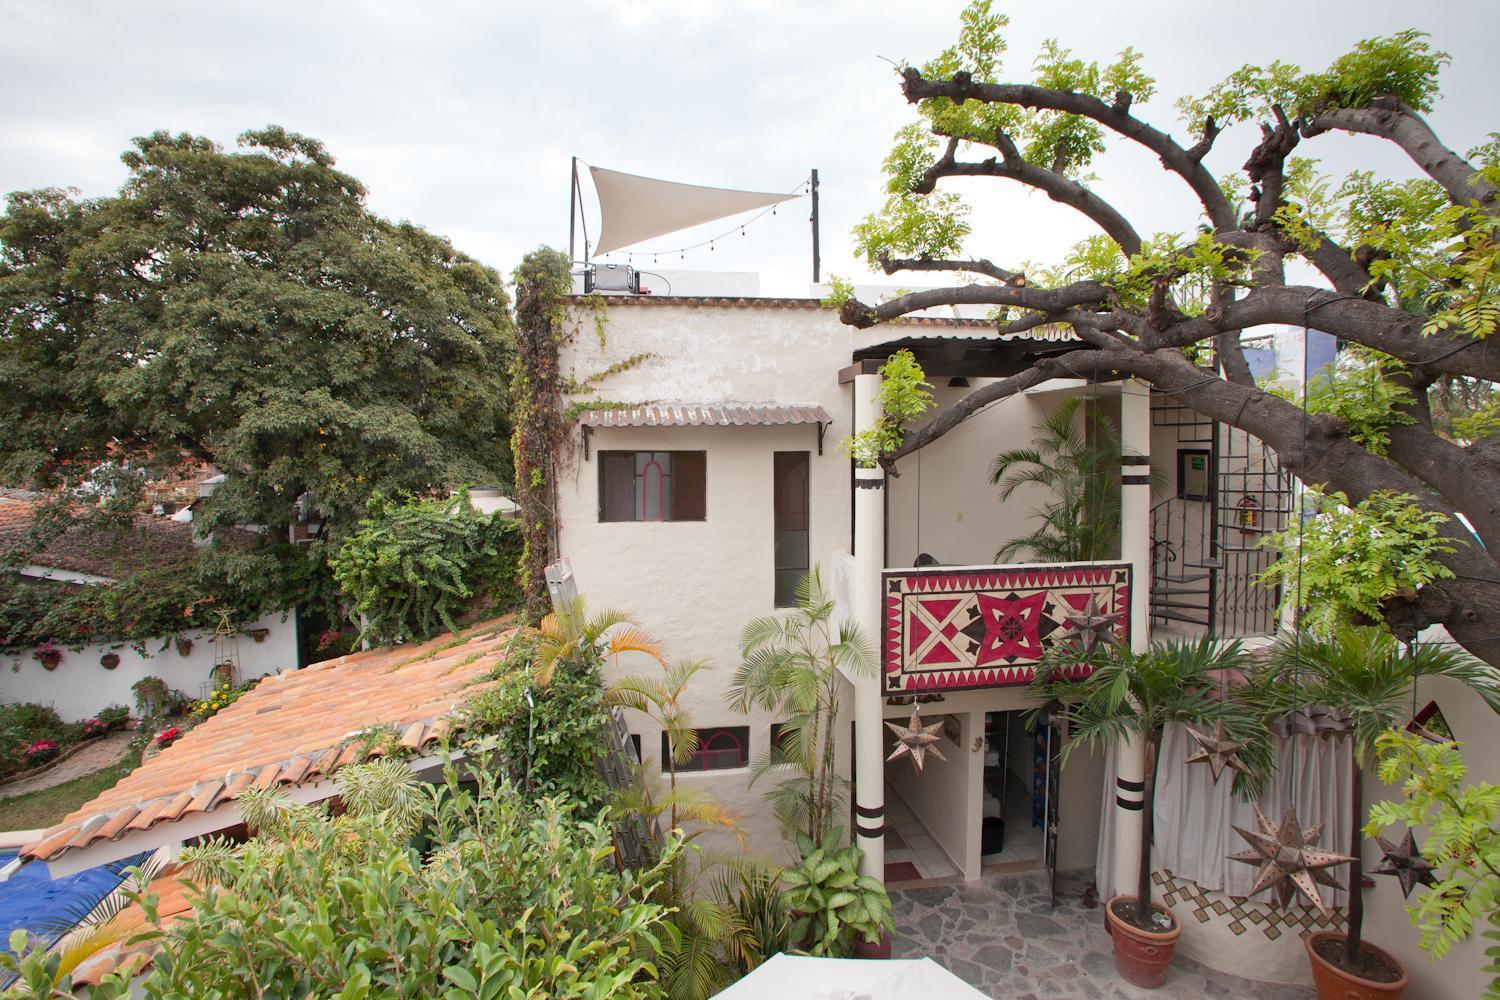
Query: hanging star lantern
[1091,626]
[1218,751]
[916,739]
[1288,859]
[1405,861]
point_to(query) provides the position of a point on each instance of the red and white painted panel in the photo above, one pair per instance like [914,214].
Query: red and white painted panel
[948,628]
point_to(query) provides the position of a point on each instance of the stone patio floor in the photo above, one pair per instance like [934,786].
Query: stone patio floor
[1000,935]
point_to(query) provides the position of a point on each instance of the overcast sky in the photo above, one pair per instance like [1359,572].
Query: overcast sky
[461,117]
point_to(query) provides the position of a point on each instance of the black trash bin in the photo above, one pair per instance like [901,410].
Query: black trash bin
[992,835]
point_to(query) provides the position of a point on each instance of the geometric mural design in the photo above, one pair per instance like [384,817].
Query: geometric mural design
[947,628]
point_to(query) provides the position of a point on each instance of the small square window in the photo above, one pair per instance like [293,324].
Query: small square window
[720,748]
[652,485]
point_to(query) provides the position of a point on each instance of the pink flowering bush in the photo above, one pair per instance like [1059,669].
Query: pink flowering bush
[41,751]
[168,736]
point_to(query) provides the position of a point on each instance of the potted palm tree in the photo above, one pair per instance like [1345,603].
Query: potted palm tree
[1362,674]
[1134,696]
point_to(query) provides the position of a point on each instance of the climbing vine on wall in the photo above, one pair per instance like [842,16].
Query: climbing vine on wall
[538,415]
[536,387]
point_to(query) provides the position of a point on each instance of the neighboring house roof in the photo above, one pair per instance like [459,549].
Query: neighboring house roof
[673,414]
[1049,331]
[291,729]
[152,541]
[130,955]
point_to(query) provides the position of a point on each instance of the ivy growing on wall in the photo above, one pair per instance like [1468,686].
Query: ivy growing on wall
[536,386]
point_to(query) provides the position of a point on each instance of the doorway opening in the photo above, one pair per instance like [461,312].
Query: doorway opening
[1015,794]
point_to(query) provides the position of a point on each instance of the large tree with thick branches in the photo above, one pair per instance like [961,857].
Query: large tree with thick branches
[1405,270]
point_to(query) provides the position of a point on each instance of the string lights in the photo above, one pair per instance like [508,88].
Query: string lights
[802,188]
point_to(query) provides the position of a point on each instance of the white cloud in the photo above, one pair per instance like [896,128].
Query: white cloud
[462,116]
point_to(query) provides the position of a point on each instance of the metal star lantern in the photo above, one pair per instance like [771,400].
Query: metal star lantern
[1091,626]
[1405,861]
[916,739]
[1218,751]
[1288,859]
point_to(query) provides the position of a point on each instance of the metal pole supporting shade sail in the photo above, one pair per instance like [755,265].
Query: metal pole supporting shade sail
[634,209]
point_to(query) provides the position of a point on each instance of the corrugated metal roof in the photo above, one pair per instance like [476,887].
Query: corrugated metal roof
[706,414]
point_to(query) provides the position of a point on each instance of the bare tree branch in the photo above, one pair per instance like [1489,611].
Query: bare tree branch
[892,265]
[1176,159]
[1048,300]
[1390,119]
[1054,185]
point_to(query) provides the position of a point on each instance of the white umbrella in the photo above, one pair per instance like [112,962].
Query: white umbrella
[784,977]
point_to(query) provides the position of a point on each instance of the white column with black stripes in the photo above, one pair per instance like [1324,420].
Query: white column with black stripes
[869,562]
[1135,548]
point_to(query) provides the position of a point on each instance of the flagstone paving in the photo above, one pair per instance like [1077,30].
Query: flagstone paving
[1001,935]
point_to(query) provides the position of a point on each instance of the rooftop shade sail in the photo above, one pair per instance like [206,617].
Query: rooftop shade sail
[634,208]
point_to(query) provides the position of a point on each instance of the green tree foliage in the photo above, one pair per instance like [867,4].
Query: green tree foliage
[904,395]
[790,667]
[550,736]
[1365,389]
[248,309]
[1462,820]
[1075,459]
[410,568]
[1403,263]
[1345,562]
[510,898]
[157,603]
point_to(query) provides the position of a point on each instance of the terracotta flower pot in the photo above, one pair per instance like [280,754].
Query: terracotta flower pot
[1334,983]
[50,660]
[184,646]
[109,661]
[1142,957]
[880,949]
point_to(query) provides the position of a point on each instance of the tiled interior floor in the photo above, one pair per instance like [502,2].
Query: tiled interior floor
[1023,842]
[915,843]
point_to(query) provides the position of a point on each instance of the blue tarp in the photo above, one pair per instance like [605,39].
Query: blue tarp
[35,901]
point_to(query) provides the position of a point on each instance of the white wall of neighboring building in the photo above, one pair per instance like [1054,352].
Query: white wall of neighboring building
[81,686]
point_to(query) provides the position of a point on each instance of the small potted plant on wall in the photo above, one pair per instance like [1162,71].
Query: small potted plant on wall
[150,696]
[1133,696]
[184,645]
[48,655]
[109,661]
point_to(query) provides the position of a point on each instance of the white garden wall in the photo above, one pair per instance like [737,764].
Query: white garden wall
[81,686]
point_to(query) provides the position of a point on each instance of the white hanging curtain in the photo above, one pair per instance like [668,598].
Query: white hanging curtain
[1193,815]
[634,208]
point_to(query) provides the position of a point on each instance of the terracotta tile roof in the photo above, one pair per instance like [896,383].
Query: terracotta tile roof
[710,414]
[757,302]
[172,905]
[291,728]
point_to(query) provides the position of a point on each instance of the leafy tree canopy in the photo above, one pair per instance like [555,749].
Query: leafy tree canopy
[1406,267]
[248,309]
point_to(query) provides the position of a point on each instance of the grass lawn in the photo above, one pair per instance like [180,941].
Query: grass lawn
[41,809]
